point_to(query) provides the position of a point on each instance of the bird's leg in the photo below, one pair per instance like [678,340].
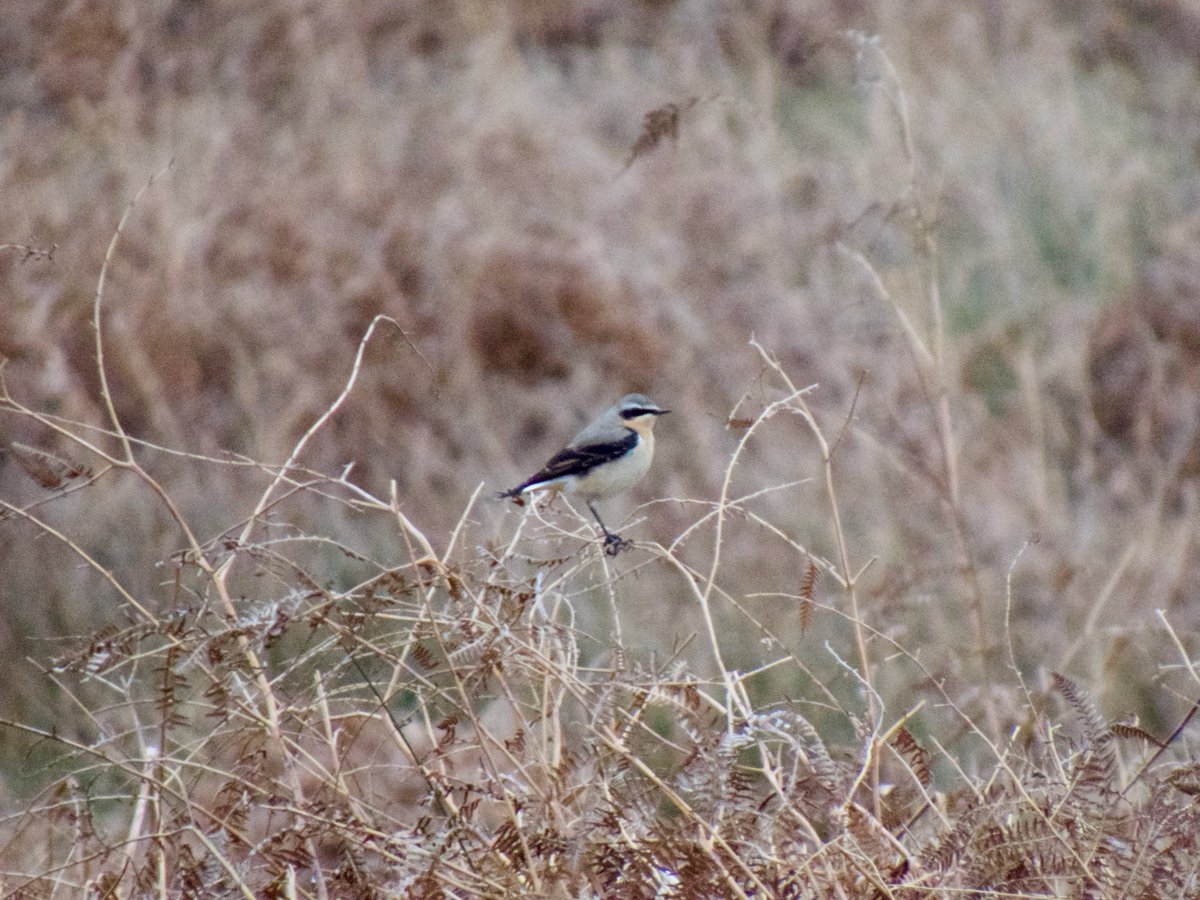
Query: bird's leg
[613,543]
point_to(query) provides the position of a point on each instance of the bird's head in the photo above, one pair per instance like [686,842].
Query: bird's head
[638,411]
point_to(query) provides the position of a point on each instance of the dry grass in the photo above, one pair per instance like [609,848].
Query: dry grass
[928,323]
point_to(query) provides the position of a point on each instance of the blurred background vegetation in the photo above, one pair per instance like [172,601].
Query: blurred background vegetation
[1012,187]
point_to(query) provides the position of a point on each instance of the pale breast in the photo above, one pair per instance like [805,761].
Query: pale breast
[620,475]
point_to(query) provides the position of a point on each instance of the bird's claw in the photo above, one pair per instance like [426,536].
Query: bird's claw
[614,543]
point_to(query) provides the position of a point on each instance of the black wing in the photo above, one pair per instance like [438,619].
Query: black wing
[578,461]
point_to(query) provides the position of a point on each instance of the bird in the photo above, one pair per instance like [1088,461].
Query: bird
[610,455]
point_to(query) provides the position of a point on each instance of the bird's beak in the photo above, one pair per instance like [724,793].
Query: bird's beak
[662,412]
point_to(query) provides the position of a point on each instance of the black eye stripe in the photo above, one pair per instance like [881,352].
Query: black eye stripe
[638,411]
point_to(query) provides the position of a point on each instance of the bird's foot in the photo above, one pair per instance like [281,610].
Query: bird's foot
[614,543]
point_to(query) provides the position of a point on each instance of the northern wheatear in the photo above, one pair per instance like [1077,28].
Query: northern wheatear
[609,456]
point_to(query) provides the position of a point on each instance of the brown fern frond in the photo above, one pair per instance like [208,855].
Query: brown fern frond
[913,754]
[1086,714]
[170,683]
[448,727]
[454,585]
[658,124]
[871,838]
[507,841]
[941,854]
[1017,852]
[424,656]
[1185,779]
[809,581]
[394,583]
[1133,732]
[45,468]
[567,766]
[807,593]
[516,743]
